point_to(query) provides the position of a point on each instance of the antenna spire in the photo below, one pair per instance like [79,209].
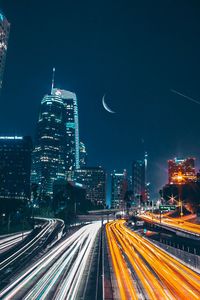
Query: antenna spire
[52,84]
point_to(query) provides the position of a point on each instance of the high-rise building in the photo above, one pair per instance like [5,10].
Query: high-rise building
[119,186]
[181,170]
[4,34]
[83,155]
[94,179]
[69,100]
[49,155]
[138,181]
[56,150]
[15,169]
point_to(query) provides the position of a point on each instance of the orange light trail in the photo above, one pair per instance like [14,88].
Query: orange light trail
[162,276]
[178,223]
[125,283]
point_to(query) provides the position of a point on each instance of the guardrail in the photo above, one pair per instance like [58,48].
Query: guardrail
[191,260]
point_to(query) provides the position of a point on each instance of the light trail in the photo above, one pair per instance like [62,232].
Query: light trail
[62,266]
[11,240]
[162,276]
[124,280]
[19,253]
[178,223]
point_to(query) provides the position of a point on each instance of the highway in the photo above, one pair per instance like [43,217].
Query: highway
[46,229]
[154,274]
[11,240]
[178,223]
[16,258]
[58,273]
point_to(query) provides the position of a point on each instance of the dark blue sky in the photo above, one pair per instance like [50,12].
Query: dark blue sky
[134,51]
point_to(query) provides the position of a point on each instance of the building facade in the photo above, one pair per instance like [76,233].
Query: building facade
[181,171]
[119,186]
[15,169]
[4,34]
[94,179]
[138,181]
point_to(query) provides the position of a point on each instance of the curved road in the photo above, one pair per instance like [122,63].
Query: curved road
[57,274]
[11,240]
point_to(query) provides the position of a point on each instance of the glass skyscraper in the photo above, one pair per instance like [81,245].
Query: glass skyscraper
[57,140]
[49,155]
[119,185]
[138,181]
[4,34]
[69,100]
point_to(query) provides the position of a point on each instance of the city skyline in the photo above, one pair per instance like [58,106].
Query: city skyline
[88,74]
[99,177]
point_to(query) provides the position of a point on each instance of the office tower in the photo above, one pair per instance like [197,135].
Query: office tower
[138,181]
[181,170]
[15,168]
[119,186]
[4,34]
[49,155]
[94,179]
[69,100]
[83,155]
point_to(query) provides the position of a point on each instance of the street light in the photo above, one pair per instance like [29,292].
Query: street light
[180,179]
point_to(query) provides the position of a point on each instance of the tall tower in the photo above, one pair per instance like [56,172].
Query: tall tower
[119,186]
[57,139]
[69,100]
[49,155]
[138,181]
[4,34]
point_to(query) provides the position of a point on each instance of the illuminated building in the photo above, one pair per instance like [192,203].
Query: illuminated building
[15,168]
[4,34]
[94,179]
[49,155]
[119,186]
[69,100]
[181,171]
[83,155]
[138,181]
[57,139]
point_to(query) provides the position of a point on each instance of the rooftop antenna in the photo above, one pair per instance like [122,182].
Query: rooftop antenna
[52,84]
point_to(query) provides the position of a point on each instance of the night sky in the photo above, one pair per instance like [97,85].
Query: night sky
[132,51]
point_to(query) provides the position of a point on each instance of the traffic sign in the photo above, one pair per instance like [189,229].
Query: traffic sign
[167,207]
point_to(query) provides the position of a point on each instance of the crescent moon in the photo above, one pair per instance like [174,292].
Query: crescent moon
[106,106]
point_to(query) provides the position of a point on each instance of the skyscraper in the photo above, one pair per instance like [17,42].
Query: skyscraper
[181,170]
[69,100]
[57,139]
[4,34]
[15,170]
[49,155]
[119,186]
[138,181]
[94,179]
